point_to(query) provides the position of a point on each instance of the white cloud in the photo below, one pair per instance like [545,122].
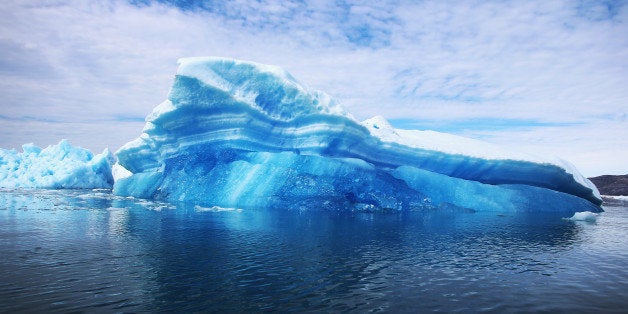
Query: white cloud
[81,65]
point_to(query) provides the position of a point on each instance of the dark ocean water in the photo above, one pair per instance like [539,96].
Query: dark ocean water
[88,251]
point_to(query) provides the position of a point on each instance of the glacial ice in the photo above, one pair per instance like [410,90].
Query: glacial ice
[584,216]
[60,166]
[238,134]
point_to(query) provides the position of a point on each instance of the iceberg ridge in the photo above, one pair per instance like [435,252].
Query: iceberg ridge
[238,134]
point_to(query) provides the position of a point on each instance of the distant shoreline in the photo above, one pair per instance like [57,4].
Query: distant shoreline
[611,185]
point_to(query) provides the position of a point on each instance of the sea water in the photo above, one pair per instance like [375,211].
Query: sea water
[83,250]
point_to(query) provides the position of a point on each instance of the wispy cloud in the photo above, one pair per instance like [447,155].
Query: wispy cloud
[551,66]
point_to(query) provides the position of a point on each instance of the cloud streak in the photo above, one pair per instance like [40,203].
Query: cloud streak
[557,67]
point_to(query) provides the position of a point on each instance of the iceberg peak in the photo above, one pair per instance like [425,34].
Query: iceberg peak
[273,91]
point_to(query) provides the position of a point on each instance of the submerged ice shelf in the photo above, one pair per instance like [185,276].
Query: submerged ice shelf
[242,134]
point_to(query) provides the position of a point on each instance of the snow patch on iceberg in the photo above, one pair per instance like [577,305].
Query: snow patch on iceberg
[118,172]
[238,134]
[60,166]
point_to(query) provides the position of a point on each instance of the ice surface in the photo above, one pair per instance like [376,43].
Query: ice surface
[55,167]
[239,134]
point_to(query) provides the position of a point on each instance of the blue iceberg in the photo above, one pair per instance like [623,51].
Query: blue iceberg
[245,135]
[60,166]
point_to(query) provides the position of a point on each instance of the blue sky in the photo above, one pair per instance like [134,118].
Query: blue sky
[546,77]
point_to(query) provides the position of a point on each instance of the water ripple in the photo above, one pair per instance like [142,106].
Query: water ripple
[77,251]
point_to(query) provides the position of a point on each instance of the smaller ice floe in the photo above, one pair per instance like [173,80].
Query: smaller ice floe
[101,190]
[615,200]
[60,166]
[97,195]
[623,198]
[584,216]
[162,206]
[215,209]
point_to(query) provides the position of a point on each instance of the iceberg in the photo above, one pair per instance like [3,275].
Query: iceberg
[60,166]
[237,134]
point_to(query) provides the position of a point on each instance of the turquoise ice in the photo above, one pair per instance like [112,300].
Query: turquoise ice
[245,135]
[60,166]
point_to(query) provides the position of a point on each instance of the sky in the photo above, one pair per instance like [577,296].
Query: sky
[544,77]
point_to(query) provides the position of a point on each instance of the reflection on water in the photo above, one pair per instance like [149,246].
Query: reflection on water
[90,250]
